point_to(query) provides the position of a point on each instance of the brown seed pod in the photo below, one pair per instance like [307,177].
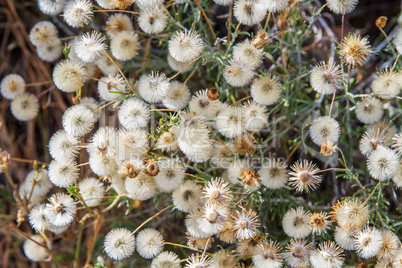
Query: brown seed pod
[213,93]
[152,169]
[380,22]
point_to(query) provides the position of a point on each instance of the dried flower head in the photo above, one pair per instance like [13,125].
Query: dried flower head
[43,33]
[238,73]
[324,129]
[187,197]
[297,253]
[266,90]
[149,243]
[387,84]
[12,85]
[198,260]
[303,176]
[383,163]
[124,45]
[390,246]
[354,49]
[261,39]
[68,75]
[25,107]
[342,6]
[368,243]
[213,219]
[381,22]
[249,12]
[61,209]
[273,173]
[177,97]
[119,244]
[326,78]
[371,140]
[153,87]
[319,222]
[90,46]
[213,93]
[246,52]
[250,180]
[245,224]
[185,46]
[217,192]
[78,13]
[329,254]
[118,22]
[166,259]
[267,255]
[153,20]
[350,214]
[327,148]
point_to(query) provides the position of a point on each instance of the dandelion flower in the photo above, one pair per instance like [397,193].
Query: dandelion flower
[43,33]
[273,173]
[170,176]
[326,78]
[267,255]
[142,187]
[245,224]
[117,23]
[351,214]
[33,251]
[345,238]
[78,120]
[92,191]
[255,115]
[230,122]
[153,87]
[276,5]
[12,85]
[152,20]
[213,219]
[111,87]
[324,129]
[50,52]
[187,197]
[266,90]
[297,253]
[179,66]
[383,163]
[63,147]
[319,222]
[166,259]
[390,246]
[304,176]
[249,12]
[124,45]
[133,114]
[78,13]
[328,255]
[90,46]
[354,49]
[177,97]
[217,192]
[119,244]
[25,107]
[296,223]
[371,140]
[342,6]
[368,243]
[185,46]
[51,7]
[238,73]
[149,243]
[37,218]
[197,260]
[387,84]
[246,52]
[61,209]
[68,75]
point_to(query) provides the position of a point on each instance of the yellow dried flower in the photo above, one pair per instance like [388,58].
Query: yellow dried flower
[327,148]
[354,49]
[380,22]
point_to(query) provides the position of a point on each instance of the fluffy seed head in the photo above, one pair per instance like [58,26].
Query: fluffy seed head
[92,191]
[326,78]
[170,176]
[297,253]
[217,192]
[342,6]
[78,13]
[387,84]
[90,46]
[245,224]
[133,114]
[124,45]
[390,246]
[149,243]
[118,23]
[78,120]
[273,173]
[111,87]
[142,187]
[266,90]
[153,20]
[304,176]
[238,73]
[276,5]
[295,223]
[68,75]
[185,46]
[249,12]
[33,251]
[267,255]
[61,209]
[230,122]
[383,163]
[63,147]
[198,260]
[187,197]
[50,52]
[166,259]
[350,214]
[12,85]
[51,7]
[371,140]
[246,52]
[63,174]
[255,116]
[153,88]
[354,49]
[368,243]
[25,107]
[319,222]
[37,218]
[324,129]
[345,238]
[328,255]
[43,33]
[177,96]
[119,244]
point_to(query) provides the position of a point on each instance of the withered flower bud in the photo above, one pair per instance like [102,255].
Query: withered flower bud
[380,22]
[213,93]
[261,39]
[152,169]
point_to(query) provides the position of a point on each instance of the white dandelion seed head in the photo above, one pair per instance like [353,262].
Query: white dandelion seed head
[69,76]
[78,120]
[266,90]
[249,12]
[166,259]
[37,218]
[149,243]
[387,84]
[152,20]
[33,251]
[132,144]
[103,142]
[342,6]
[43,33]
[125,45]
[326,78]
[197,260]
[345,238]
[213,219]
[245,224]
[119,244]
[368,243]
[63,147]
[171,175]
[192,226]
[25,107]
[117,23]
[383,163]
[92,191]
[369,110]
[153,88]
[371,140]
[185,46]
[273,173]
[179,66]
[329,254]
[12,85]
[111,87]
[276,5]
[142,187]
[61,209]
[78,13]
[324,129]
[267,255]
[51,7]
[246,52]
[295,223]
[63,174]
[255,116]
[238,73]
[103,164]
[134,114]
[177,97]
[297,253]
[90,46]
[187,197]
[230,122]
[50,52]
[236,168]
[92,104]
